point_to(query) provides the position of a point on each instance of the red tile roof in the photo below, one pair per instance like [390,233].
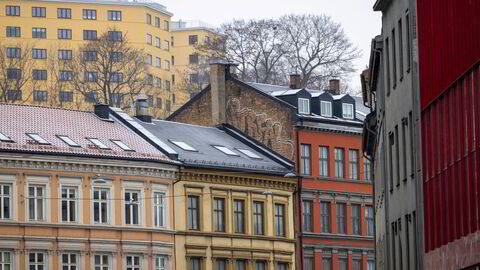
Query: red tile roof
[17,120]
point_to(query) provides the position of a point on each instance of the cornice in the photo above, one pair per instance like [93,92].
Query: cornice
[242,236]
[330,236]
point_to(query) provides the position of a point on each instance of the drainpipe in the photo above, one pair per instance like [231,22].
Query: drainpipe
[299,197]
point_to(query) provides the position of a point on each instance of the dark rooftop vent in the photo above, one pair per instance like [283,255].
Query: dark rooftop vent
[142,109]
[102,111]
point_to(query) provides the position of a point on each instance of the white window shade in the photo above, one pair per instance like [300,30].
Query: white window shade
[347,111]
[303,106]
[326,108]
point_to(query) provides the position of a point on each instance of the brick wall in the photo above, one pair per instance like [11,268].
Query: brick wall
[197,112]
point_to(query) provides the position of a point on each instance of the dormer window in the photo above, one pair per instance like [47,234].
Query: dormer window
[37,138]
[347,111]
[5,138]
[303,106]
[122,145]
[326,108]
[225,150]
[68,141]
[98,143]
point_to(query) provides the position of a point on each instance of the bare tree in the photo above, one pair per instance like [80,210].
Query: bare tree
[109,69]
[16,71]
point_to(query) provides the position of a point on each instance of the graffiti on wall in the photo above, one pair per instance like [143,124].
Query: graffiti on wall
[260,127]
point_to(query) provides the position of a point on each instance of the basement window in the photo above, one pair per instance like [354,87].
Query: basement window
[5,138]
[68,141]
[225,150]
[98,143]
[184,146]
[249,153]
[122,145]
[37,138]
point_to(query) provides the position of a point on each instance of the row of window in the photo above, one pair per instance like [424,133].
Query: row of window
[325,108]
[158,42]
[310,264]
[323,159]
[158,62]
[40,260]
[41,33]
[37,53]
[63,75]
[239,216]
[198,263]
[326,217]
[38,202]
[403,243]
[166,24]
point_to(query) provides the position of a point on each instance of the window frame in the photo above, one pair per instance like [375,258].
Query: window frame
[157,262]
[90,34]
[13,31]
[305,159]
[39,74]
[99,187]
[69,264]
[69,201]
[356,219]
[114,15]
[322,103]
[42,10]
[344,111]
[307,227]
[36,52]
[323,160]
[258,228]
[237,213]
[339,163]
[219,213]
[353,163]
[15,9]
[10,198]
[132,204]
[62,53]
[36,200]
[63,94]
[101,264]
[159,207]
[3,262]
[64,33]
[194,212]
[36,263]
[280,228]
[91,12]
[134,266]
[302,102]
[68,12]
[325,215]
[341,217]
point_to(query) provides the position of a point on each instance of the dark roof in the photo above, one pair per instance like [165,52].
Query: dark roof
[17,120]
[202,139]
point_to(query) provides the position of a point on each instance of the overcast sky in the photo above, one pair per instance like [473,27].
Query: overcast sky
[359,21]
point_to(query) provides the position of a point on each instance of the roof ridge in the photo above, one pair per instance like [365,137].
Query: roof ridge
[42,106]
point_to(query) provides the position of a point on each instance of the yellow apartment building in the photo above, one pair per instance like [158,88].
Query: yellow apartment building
[55,27]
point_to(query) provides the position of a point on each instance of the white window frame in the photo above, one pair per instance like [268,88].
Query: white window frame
[34,181]
[345,114]
[101,265]
[328,113]
[75,184]
[3,263]
[2,200]
[36,264]
[157,262]
[134,266]
[102,184]
[134,186]
[69,264]
[302,103]
[159,208]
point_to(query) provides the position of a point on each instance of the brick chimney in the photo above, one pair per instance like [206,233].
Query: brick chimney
[295,81]
[219,70]
[141,109]
[334,86]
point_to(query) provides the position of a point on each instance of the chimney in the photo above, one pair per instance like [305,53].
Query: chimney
[141,109]
[102,111]
[295,81]
[219,71]
[334,86]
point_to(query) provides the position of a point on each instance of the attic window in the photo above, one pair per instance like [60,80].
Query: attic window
[184,146]
[225,150]
[347,111]
[326,108]
[37,138]
[122,145]
[303,106]
[5,138]
[249,153]
[98,143]
[68,141]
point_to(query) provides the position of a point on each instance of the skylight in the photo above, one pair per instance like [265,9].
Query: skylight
[37,138]
[68,141]
[225,150]
[98,143]
[5,138]
[249,153]
[184,146]
[122,145]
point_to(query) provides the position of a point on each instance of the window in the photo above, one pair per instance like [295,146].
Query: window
[193,59]
[149,39]
[158,62]
[39,12]
[339,162]
[240,265]
[101,262]
[149,59]
[133,262]
[400,47]
[38,139]
[370,265]
[258,218]
[394,58]
[5,138]
[39,53]
[397,155]
[64,13]
[166,45]
[167,85]
[341,218]
[101,201]
[308,263]
[116,77]
[36,202]
[116,56]
[305,159]
[220,264]
[282,266]
[239,215]
[409,46]
[193,212]
[64,33]
[69,261]
[158,42]
[173,63]
[307,216]
[90,56]
[13,31]
[91,97]
[5,201]
[68,141]
[37,261]
[326,108]
[66,75]
[157,22]
[225,150]
[356,219]
[117,99]
[219,214]
[149,19]
[89,14]
[192,39]
[404,148]
[356,265]
[12,10]
[39,75]
[65,96]
[167,105]
[160,262]
[114,15]
[327,263]
[353,163]
[249,153]
[347,110]
[194,78]
[369,220]
[172,41]
[391,144]
[40,95]
[14,74]
[387,64]
[159,103]
[122,145]
[184,146]
[303,106]
[367,170]
[69,204]
[260,265]
[324,217]
[279,219]
[6,260]
[115,36]
[89,34]
[132,205]
[323,153]
[64,54]
[14,53]
[195,263]
[343,263]
[159,209]
[98,143]
[166,26]
[412,144]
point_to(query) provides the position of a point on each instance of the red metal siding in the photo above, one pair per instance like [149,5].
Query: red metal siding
[448,43]
[451,162]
